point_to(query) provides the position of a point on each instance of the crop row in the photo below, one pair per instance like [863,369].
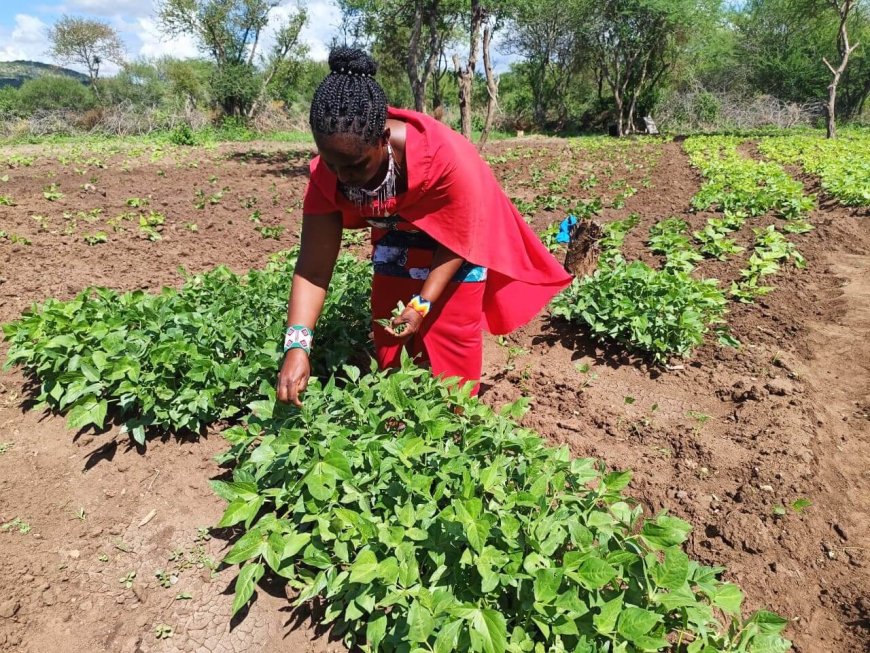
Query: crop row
[842,165]
[733,182]
[427,522]
[180,359]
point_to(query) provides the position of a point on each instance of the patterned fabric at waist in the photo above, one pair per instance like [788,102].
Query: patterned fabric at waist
[408,254]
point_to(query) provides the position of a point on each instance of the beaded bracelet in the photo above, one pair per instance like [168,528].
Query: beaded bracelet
[298,337]
[422,306]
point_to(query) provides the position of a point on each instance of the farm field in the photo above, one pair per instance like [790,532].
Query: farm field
[763,448]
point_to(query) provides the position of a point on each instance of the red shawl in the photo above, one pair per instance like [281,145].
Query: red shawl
[454,197]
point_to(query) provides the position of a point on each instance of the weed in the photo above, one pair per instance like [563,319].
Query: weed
[96,238]
[16,524]
[52,193]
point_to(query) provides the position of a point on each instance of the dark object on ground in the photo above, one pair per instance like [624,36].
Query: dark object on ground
[583,249]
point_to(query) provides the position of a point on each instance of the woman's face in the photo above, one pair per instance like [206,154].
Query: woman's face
[353,161]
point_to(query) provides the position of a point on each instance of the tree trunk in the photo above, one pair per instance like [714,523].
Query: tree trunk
[465,75]
[412,62]
[845,50]
[491,87]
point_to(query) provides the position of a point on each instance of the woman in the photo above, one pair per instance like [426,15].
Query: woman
[447,240]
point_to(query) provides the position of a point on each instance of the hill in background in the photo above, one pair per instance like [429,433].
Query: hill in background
[15,73]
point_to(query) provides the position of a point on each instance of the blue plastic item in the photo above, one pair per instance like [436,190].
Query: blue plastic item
[564,235]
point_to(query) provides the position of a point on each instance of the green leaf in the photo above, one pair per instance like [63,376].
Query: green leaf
[420,623]
[376,628]
[665,532]
[241,510]
[250,545]
[547,583]
[448,636]
[728,597]
[364,568]
[769,644]
[594,573]
[246,582]
[635,622]
[605,620]
[674,572]
[488,631]
[768,623]
[293,544]
[92,411]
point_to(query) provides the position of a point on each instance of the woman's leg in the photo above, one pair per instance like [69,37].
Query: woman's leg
[452,336]
[453,333]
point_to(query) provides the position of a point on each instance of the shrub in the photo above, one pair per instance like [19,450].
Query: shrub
[182,135]
[52,92]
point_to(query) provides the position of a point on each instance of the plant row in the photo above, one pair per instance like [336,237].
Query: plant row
[733,182]
[842,164]
[427,522]
[181,359]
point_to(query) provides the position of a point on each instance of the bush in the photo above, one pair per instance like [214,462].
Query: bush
[662,312]
[427,522]
[182,135]
[9,100]
[51,93]
[234,88]
[181,359]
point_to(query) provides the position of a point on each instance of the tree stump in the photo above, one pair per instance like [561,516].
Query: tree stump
[583,249]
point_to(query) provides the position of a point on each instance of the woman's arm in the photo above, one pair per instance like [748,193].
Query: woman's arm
[445,264]
[321,241]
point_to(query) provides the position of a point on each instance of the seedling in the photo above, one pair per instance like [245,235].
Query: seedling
[52,193]
[191,226]
[127,579]
[162,631]
[16,524]
[103,557]
[5,446]
[96,238]
[6,200]
[271,232]
[80,514]
[138,202]
[398,329]
[163,578]
[184,596]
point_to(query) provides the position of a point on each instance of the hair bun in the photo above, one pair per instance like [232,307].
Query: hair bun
[351,61]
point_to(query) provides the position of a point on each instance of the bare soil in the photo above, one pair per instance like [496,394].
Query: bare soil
[722,439]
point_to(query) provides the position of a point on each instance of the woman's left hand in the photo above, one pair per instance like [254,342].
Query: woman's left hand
[411,318]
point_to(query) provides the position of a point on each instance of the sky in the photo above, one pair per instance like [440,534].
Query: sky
[24,23]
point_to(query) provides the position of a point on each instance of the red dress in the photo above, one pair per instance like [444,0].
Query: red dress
[453,199]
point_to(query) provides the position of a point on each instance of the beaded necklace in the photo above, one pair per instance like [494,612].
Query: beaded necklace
[386,190]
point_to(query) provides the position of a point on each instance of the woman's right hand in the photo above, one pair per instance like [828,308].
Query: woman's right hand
[293,377]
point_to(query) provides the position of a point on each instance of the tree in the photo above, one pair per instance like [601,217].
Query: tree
[230,32]
[843,9]
[85,42]
[634,43]
[412,33]
[547,36]
[482,16]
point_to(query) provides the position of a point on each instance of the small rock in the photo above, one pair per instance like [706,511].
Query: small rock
[48,598]
[780,387]
[682,495]
[9,608]
[75,554]
[766,488]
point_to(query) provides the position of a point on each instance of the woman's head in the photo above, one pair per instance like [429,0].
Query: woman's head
[348,117]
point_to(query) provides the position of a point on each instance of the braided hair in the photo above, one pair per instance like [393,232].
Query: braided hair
[349,100]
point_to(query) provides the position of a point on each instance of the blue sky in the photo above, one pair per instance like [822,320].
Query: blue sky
[23,26]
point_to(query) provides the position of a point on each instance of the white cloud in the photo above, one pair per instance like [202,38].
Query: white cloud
[127,8]
[26,40]
[324,17]
[153,43]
